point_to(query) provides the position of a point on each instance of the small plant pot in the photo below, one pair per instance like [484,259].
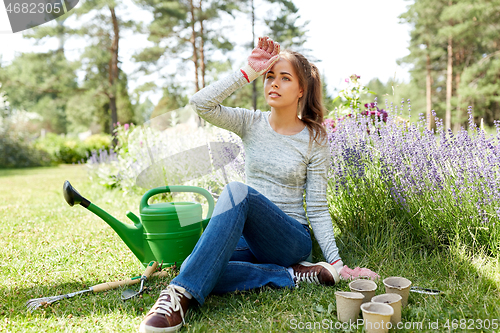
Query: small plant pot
[348,305]
[393,300]
[398,285]
[377,317]
[366,287]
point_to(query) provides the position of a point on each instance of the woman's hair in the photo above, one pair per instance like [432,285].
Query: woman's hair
[311,108]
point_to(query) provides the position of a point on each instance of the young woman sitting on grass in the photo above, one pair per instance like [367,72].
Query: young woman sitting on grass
[258,234]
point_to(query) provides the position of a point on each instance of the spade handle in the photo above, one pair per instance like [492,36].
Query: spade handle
[149,270]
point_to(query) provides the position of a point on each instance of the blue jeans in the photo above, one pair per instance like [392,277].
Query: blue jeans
[249,243]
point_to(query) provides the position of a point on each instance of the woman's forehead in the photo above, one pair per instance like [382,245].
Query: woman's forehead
[283,65]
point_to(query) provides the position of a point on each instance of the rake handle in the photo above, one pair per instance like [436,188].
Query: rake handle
[127,282]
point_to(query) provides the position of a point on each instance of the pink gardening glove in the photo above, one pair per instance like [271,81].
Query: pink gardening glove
[263,57]
[353,274]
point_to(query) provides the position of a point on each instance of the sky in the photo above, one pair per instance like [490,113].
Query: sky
[362,37]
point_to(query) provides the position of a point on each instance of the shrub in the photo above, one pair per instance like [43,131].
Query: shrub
[98,141]
[67,149]
[16,152]
[16,149]
[443,187]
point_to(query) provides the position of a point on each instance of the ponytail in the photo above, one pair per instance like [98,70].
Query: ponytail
[311,108]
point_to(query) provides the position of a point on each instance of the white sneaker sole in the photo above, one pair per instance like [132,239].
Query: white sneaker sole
[150,329]
[326,265]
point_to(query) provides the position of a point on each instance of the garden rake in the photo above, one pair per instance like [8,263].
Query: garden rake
[35,303]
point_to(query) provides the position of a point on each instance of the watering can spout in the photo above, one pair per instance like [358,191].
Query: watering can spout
[130,234]
[72,196]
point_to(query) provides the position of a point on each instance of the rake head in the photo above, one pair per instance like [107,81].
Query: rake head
[35,303]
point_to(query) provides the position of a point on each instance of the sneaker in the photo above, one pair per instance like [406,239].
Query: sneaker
[167,314]
[319,273]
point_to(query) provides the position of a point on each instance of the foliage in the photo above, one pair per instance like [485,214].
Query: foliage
[97,141]
[243,97]
[350,97]
[41,83]
[16,149]
[284,28]
[143,110]
[67,149]
[475,84]
[468,29]
[181,31]
[481,85]
[393,92]
[103,76]
[171,106]
[181,28]
[17,152]
[102,98]
[445,187]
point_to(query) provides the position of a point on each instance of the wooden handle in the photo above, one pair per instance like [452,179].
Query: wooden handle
[160,274]
[115,284]
[127,282]
[149,270]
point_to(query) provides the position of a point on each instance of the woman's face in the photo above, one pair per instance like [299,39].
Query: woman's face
[281,86]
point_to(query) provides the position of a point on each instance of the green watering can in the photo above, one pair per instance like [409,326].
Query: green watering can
[166,231]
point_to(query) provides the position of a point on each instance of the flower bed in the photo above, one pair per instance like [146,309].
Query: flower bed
[444,186]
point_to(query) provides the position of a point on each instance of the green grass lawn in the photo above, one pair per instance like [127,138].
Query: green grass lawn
[49,248]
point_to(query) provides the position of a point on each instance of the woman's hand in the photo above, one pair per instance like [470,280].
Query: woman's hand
[263,57]
[353,274]
[348,274]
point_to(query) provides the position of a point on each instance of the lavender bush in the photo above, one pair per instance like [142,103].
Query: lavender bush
[442,187]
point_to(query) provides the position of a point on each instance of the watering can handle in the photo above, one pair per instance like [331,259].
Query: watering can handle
[179,188]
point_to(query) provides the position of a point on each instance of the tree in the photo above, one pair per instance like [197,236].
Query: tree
[284,27]
[41,83]
[100,59]
[426,50]
[103,96]
[187,30]
[391,95]
[449,73]
[459,45]
[4,105]
[477,59]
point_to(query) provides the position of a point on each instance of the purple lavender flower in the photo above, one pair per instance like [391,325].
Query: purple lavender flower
[440,176]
